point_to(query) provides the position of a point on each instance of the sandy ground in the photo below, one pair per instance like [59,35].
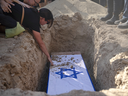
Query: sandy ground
[76,28]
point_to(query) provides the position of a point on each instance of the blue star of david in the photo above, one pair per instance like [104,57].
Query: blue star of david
[74,75]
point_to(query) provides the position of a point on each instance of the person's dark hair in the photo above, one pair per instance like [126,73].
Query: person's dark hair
[47,14]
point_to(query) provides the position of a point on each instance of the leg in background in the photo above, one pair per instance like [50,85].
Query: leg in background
[110,11]
[118,7]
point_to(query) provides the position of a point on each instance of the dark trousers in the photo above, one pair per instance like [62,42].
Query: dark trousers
[115,6]
[103,2]
[6,20]
[97,1]
[126,9]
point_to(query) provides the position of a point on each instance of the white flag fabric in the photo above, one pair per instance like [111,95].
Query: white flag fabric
[68,73]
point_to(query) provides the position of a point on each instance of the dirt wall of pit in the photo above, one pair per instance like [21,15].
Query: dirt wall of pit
[21,62]
[110,56]
[103,47]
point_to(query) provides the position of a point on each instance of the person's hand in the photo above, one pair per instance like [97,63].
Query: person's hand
[5,6]
[9,2]
[50,61]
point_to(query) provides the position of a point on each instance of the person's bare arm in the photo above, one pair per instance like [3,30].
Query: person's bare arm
[39,5]
[21,3]
[42,45]
[45,1]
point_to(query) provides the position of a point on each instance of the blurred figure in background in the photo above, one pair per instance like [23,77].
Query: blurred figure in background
[97,1]
[103,3]
[124,19]
[43,3]
[114,9]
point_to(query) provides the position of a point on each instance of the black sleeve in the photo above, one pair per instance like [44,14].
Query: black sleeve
[31,20]
[35,27]
[21,0]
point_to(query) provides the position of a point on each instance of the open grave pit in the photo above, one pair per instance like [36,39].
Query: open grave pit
[103,48]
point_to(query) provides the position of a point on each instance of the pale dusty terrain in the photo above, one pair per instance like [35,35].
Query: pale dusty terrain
[76,28]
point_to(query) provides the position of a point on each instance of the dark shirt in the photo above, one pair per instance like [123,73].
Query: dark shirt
[21,0]
[31,17]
